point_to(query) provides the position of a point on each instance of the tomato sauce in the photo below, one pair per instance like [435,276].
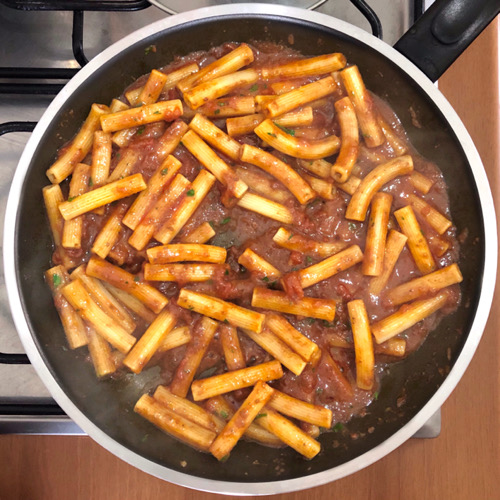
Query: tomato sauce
[331,381]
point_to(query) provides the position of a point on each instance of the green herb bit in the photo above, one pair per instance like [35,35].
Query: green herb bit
[71,198]
[90,183]
[254,88]
[271,134]
[137,279]
[309,259]
[217,111]
[56,279]
[314,202]
[224,414]
[226,272]
[140,130]
[148,50]
[260,415]
[224,458]
[117,156]
[190,192]
[226,321]
[225,221]
[375,395]
[212,224]
[338,427]
[156,113]
[352,226]
[190,308]
[208,372]
[290,237]
[164,171]
[222,104]
[265,278]
[288,131]
[310,321]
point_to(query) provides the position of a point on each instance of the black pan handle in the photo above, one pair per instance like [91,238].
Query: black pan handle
[444,31]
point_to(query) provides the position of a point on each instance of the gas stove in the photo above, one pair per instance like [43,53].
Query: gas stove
[43,43]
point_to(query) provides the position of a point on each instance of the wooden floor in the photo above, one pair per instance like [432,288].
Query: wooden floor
[462,464]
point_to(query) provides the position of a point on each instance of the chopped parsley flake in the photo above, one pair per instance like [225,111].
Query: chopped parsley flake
[91,182]
[265,278]
[71,198]
[190,192]
[226,321]
[226,272]
[156,113]
[140,130]
[224,414]
[288,131]
[260,415]
[225,221]
[375,396]
[254,88]
[208,372]
[217,111]
[338,427]
[222,104]
[328,324]
[164,171]
[137,279]
[212,224]
[271,134]
[314,202]
[291,236]
[148,50]
[309,259]
[56,279]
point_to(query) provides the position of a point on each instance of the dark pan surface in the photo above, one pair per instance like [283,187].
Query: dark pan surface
[109,404]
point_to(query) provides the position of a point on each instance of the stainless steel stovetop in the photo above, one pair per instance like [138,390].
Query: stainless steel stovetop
[43,39]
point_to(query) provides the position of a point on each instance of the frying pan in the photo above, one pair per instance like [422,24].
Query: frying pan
[423,381]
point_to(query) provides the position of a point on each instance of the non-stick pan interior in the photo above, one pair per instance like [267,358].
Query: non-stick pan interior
[109,404]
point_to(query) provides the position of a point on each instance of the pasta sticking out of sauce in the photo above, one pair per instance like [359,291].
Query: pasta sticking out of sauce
[255,223]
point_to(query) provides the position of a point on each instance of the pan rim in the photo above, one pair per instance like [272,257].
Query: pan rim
[369,457]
